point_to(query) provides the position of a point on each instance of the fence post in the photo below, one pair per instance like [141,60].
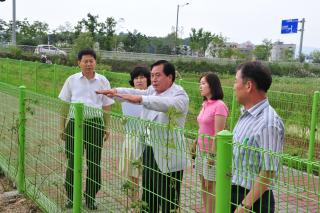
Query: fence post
[223,168]
[22,122]
[36,83]
[78,147]
[20,71]
[233,111]
[7,73]
[313,127]
[54,80]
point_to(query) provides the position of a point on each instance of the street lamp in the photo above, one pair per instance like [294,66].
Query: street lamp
[177,25]
[13,21]
[120,20]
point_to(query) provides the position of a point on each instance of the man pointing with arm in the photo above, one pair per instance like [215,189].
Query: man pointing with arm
[161,176]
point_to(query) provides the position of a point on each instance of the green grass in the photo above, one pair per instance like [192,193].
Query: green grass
[305,85]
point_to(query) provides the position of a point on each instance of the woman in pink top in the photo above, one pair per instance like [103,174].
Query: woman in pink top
[211,120]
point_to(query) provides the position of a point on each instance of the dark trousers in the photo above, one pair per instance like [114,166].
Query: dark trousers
[265,204]
[159,188]
[93,131]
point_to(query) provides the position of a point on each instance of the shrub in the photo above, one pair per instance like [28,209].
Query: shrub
[15,51]
[192,66]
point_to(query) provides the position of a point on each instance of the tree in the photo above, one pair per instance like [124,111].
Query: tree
[27,34]
[135,42]
[107,37]
[63,35]
[217,47]
[200,40]
[229,52]
[288,55]
[163,45]
[84,40]
[316,56]
[31,34]
[302,58]
[263,51]
[4,31]
[103,32]
[90,25]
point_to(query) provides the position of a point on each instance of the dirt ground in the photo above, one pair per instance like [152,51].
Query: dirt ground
[17,204]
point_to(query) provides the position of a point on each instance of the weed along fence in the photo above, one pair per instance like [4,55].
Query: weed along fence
[32,154]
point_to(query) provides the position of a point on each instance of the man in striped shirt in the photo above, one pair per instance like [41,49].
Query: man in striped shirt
[258,134]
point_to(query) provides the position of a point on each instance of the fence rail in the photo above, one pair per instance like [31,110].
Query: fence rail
[295,109]
[296,188]
[152,57]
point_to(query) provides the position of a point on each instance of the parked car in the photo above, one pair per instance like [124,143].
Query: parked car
[48,50]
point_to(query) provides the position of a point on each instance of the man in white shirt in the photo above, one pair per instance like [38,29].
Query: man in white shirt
[81,87]
[163,166]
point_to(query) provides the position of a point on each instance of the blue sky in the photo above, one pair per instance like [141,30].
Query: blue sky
[239,21]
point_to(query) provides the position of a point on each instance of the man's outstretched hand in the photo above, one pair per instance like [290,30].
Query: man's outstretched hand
[136,99]
[107,92]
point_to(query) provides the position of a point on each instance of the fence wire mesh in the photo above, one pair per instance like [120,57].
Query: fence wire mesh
[295,189]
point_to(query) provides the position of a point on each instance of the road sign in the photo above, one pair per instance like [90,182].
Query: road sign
[289,26]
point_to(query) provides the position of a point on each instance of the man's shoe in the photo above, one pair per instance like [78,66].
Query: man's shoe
[68,204]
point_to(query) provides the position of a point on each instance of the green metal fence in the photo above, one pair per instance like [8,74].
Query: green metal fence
[41,174]
[292,107]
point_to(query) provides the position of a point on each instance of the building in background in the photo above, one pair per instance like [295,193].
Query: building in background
[282,52]
[230,50]
[246,48]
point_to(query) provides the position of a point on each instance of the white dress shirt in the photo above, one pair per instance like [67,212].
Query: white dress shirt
[78,89]
[155,107]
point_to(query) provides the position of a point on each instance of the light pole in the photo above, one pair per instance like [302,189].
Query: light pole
[48,38]
[14,22]
[301,38]
[120,20]
[177,26]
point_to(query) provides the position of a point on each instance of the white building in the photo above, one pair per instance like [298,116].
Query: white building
[281,51]
[244,48]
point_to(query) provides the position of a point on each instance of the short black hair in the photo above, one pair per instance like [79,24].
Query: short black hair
[87,51]
[168,68]
[214,84]
[140,71]
[257,72]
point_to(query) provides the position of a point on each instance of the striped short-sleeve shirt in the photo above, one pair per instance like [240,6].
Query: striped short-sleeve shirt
[261,132]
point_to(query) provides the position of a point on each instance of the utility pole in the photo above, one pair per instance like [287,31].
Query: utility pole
[301,38]
[14,22]
[176,37]
[177,27]
[13,42]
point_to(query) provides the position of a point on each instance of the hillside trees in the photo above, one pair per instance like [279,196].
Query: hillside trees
[263,51]
[135,42]
[316,56]
[200,40]
[102,32]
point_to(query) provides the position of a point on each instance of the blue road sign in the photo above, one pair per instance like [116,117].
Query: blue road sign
[289,26]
